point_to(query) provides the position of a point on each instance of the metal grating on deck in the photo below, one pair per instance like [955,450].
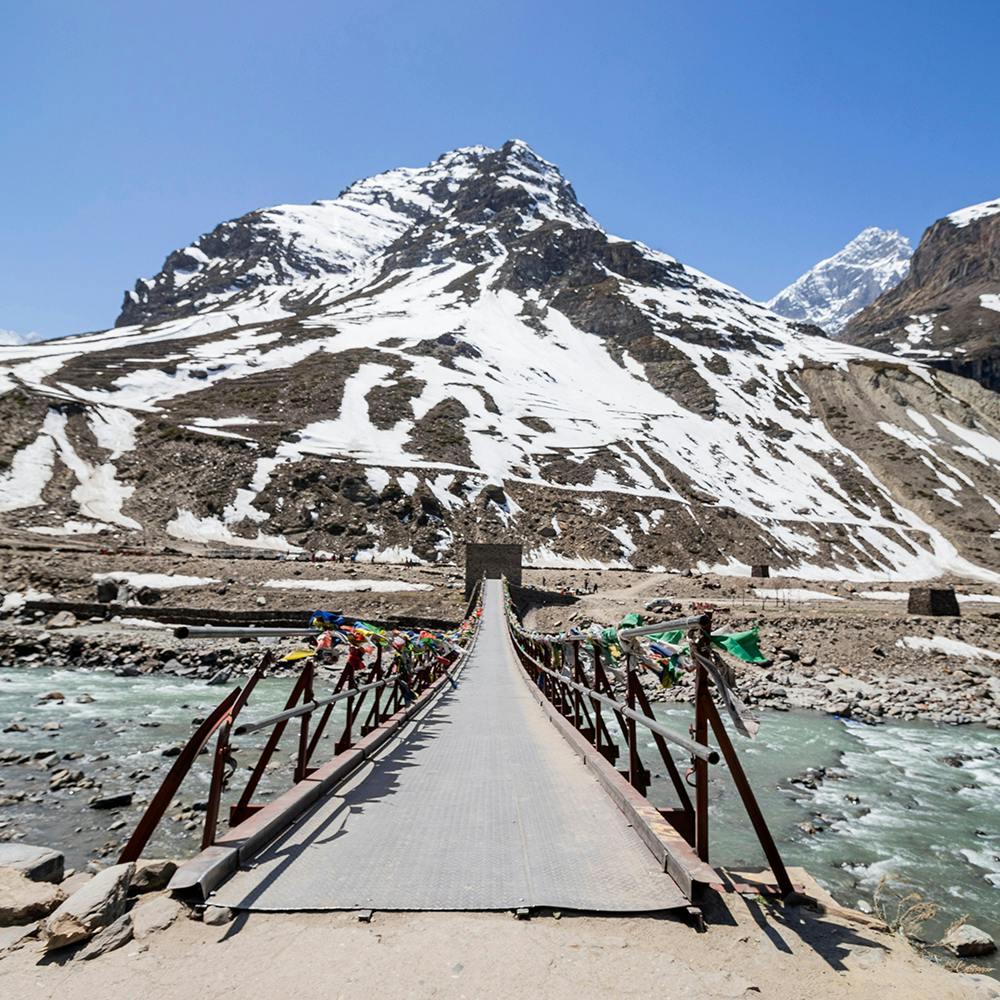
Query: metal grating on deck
[481,806]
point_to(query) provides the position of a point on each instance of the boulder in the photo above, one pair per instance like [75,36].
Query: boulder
[10,937]
[156,914]
[63,619]
[148,595]
[152,875]
[967,941]
[90,909]
[119,932]
[117,801]
[107,591]
[40,864]
[77,880]
[22,900]
[217,915]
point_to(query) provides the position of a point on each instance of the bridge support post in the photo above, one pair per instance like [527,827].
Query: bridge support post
[638,776]
[307,696]
[702,704]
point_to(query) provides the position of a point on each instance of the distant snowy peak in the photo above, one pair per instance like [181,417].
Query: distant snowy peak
[459,195]
[966,216]
[830,293]
[10,338]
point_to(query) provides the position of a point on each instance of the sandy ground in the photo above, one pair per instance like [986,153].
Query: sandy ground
[751,949]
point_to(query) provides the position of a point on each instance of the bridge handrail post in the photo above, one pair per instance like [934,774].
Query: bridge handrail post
[701,641]
[222,756]
[308,694]
[636,772]
[346,740]
[223,715]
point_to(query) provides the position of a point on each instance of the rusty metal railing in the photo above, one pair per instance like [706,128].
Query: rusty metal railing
[556,665]
[391,685]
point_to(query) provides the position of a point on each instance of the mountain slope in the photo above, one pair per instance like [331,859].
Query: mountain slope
[947,310]
[832,291]
[460,351]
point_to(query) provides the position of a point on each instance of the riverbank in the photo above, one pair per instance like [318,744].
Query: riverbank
[752,949]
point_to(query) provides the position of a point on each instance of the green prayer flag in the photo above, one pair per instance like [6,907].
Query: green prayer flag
[743,645]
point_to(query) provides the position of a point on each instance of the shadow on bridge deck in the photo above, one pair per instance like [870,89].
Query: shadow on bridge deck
[479,805]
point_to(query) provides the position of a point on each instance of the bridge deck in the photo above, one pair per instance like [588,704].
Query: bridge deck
[481,805]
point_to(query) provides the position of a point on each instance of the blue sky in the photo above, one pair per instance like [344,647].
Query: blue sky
[747,139]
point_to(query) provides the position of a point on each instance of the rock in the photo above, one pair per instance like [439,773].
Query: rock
[12,936]
[77,880]
[63,619]
[119,932]
[107,591]
[40,864]
[86,699]
[220,677]
[217,915]
[966,941]
[53,696]
[99,903]
[152,875]
[981,987]
[111,801]
[22,900]
[148,595]
[152,915]
[16,727]
[51,727]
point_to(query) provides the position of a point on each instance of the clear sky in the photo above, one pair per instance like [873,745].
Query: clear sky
[749,139]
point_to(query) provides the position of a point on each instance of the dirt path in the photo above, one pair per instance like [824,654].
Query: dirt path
[749,951]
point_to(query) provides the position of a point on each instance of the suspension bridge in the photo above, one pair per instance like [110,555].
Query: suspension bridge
[486,779]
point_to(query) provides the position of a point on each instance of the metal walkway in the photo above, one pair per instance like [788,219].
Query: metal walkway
[480,805]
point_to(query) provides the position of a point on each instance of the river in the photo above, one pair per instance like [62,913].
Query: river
[891,803]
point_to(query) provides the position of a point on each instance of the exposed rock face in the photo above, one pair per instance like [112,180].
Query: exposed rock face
[947,310]
[832,291]
[460,352]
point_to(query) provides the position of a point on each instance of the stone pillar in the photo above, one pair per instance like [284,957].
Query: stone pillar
[491,561]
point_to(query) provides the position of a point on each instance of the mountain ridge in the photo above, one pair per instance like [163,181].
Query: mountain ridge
[947,309]
[460,351]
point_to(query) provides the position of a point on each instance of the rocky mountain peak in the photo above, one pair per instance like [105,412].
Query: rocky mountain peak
[947,309]
[832,291]
[460,351]
[509,191]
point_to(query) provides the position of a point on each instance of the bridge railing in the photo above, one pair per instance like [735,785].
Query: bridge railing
[374,691]
[572,671]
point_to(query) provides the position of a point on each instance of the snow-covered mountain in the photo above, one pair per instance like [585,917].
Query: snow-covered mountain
[11,337]
[947,310]
[460,351]
[832,291]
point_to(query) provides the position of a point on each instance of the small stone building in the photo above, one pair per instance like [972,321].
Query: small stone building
[932,601]
[491,561]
